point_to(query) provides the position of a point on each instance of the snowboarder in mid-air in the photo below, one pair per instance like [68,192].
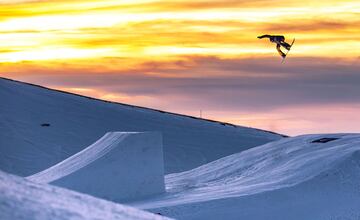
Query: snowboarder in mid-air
[280,41]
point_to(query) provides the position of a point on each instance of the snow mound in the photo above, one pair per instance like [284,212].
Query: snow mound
[41,127]
[21,199]
[120,166]
[288,179]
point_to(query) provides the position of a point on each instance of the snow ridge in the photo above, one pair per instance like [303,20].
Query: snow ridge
[25,200]
[269,167]
[121,166]
[81,159]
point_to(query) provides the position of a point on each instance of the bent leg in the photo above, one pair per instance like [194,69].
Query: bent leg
[282,54]
[285,45]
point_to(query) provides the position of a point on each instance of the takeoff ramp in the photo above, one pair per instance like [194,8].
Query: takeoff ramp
[120,166]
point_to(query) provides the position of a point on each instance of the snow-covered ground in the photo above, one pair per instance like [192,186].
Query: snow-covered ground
[21,199]
[252,175]
[120,166]
[288,179]
[41,127]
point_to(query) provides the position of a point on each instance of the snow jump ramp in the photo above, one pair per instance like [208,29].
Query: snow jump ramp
[120,166]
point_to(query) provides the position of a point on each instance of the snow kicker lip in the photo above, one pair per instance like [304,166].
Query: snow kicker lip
[95,151]
[113,167]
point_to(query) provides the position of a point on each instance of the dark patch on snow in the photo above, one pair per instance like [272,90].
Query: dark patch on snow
[324,140]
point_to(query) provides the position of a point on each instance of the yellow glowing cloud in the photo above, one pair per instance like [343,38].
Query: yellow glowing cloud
[39,38]
[50,30]
[52,54]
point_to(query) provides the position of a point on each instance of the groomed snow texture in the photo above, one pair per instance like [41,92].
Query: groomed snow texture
[120,166]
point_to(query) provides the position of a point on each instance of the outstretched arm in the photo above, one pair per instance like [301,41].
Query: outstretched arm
[264,36]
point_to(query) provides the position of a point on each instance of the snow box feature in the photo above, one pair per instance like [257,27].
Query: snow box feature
[120,166]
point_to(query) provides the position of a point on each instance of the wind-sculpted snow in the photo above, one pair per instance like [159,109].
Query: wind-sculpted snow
[74,122]
[263,175]
[120,166]
[21,199]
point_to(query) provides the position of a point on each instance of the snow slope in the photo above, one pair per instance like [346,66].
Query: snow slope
[121,166]
[71,123]
[288,179]
[21,199]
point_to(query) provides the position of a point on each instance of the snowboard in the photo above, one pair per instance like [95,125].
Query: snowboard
[288,50]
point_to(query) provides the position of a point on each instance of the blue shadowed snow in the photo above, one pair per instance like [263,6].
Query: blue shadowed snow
[75,122]
[21,199]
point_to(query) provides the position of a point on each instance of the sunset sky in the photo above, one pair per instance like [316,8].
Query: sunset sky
[188,55]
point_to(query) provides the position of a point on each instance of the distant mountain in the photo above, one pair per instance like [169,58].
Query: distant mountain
[40,127]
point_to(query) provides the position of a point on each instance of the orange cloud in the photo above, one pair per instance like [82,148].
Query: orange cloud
[88,29]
